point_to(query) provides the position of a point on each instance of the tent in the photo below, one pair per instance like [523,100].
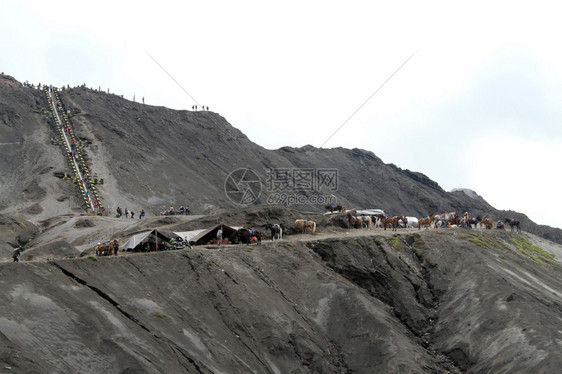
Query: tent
[138,241]
[371,212]
[189,235]
[205,236]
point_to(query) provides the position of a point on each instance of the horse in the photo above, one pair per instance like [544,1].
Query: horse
[358,221]
[384,221]
[276,230]
[377,219]
[335,208]
[451,217]
[352,219]
[304,223]
[367,221]
[380,220]
[107,248]
[362,221]
[249,236]
[395,220]
[514,224]
[402,222]
[454,219]
[471,221]
[426,221]
[488,223]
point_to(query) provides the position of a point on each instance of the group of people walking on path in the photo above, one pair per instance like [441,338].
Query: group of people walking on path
[119,212]
[184,210]
[203,107]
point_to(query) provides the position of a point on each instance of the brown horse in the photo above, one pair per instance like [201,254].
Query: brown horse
[426,221]
[488,223]
[390,222]
[352,219]
[105,249]
[396,220]
[358,221]
[304,223]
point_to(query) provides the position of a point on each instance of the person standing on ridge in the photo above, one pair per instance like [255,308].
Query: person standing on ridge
[16,254]
[219,235]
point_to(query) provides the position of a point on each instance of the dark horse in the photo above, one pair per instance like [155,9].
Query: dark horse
[276,230]
[472,221]
[514,224]
[335,208]
[247,236]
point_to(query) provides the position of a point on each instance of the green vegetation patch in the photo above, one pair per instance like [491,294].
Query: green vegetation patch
[160,315]
[394,242]
[485,241]
[535,253]
[285,244]
[93,258]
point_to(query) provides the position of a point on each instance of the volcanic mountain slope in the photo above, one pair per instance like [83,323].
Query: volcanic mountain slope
[342,300]
[27,160]
[361,302]
[153,157]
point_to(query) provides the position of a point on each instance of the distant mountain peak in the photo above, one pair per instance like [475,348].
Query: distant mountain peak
[470,193]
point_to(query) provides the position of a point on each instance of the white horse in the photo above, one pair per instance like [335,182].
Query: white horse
[378,220]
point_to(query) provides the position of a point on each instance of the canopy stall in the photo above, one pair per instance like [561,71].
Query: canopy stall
[141,240]
[205,236]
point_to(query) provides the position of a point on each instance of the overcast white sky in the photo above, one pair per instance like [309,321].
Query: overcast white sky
[477,106]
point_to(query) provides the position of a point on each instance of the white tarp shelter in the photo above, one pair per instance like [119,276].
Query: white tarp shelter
[135,240]
[141,238]
[371,212]
[204,235]
[189,235]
